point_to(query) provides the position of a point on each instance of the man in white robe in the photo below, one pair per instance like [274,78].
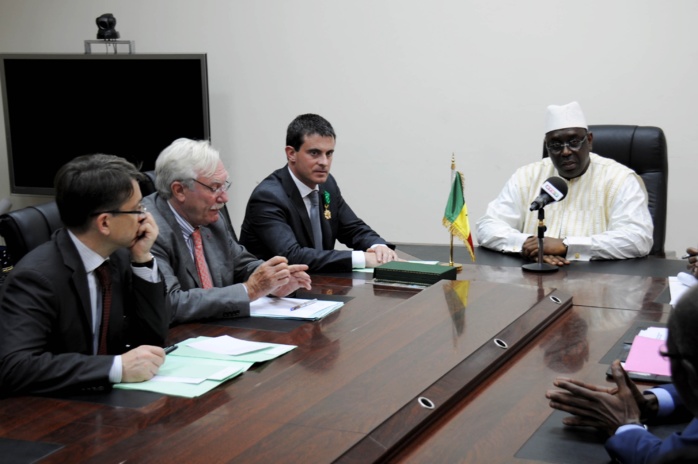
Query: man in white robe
[603,216]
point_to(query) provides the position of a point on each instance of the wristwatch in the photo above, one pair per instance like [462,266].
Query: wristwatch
[148,264]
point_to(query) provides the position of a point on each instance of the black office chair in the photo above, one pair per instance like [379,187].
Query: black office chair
[147,185]
[27,228]
[644,150]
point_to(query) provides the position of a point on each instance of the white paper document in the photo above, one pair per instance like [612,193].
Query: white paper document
[293,308]
[225,344]
[679,284]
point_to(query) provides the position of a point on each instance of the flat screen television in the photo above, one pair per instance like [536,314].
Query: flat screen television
[58,106]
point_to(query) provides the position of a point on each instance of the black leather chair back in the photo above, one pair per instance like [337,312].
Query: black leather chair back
[644,150]
[147,185]
[27,228]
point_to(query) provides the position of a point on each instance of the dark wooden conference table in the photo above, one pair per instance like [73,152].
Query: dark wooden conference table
[456,372]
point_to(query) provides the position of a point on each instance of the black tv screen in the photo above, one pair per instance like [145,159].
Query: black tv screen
[58,107]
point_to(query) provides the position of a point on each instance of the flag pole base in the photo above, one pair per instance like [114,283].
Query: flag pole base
[458,266]
[540,267]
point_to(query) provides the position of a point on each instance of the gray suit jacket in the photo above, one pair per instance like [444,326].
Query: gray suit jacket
[229,262]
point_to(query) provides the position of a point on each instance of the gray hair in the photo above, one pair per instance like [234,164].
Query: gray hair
[184,160]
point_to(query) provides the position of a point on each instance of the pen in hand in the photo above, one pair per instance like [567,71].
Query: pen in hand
[686,256]
[303,305]
[170,349]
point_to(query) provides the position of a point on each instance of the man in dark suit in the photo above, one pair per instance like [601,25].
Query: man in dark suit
[622,410]
[281,210]
[208,274]
[61,326]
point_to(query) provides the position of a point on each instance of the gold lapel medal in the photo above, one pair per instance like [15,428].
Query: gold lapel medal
[326,196]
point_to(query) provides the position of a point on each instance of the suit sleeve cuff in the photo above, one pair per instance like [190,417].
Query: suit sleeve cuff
[578,248]
[664,400]
[514,243]
[146,273]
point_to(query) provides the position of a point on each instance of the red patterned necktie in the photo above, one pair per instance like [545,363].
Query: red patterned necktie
[104,277]
[200,260]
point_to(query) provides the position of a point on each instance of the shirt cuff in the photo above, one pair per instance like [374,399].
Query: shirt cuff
[116,370]
[358,260]
[514,243]
[664,400]
[578,248]
[628,427]
[148,274]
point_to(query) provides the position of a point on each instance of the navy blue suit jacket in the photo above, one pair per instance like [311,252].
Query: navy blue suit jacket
[640,446]
[277,224]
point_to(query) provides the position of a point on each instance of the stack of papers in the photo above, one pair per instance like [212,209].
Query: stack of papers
[200,364]
[293,308]
[679,285]
[644,357]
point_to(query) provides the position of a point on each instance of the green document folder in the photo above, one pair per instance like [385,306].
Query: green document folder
[413,273]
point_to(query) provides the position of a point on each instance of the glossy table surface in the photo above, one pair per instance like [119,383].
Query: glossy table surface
[350,392]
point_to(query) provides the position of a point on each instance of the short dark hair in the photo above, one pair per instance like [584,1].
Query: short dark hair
[307,124]
[92,183]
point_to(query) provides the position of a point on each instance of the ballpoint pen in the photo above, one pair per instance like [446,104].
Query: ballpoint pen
[303,305]
[170,349]
[686,256]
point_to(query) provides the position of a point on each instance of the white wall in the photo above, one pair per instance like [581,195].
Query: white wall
[407,83]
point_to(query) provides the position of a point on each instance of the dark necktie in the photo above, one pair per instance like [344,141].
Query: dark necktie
[104,277]
[315,219]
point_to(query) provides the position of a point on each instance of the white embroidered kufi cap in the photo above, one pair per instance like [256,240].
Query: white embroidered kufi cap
[564,116]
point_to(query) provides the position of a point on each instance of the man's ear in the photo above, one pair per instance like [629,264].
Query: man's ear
[102,223]
[590,140]
[290,155]
[177,189]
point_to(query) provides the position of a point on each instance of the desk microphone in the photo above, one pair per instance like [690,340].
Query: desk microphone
[553,189]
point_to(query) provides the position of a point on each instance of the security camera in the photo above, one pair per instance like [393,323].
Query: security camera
[105,25]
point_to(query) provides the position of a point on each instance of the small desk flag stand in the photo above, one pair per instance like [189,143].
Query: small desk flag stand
[456,215]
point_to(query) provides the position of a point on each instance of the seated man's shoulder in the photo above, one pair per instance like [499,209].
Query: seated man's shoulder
[149,201]
[45,259]
[609,167]
[155,205]
[272,181]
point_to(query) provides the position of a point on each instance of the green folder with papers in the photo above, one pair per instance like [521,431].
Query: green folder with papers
[200,364]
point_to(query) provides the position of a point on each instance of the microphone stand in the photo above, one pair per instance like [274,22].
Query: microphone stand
[540,266]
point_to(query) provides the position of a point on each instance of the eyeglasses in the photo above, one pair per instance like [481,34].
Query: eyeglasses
[141,210]
[217,191]
[556,148]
